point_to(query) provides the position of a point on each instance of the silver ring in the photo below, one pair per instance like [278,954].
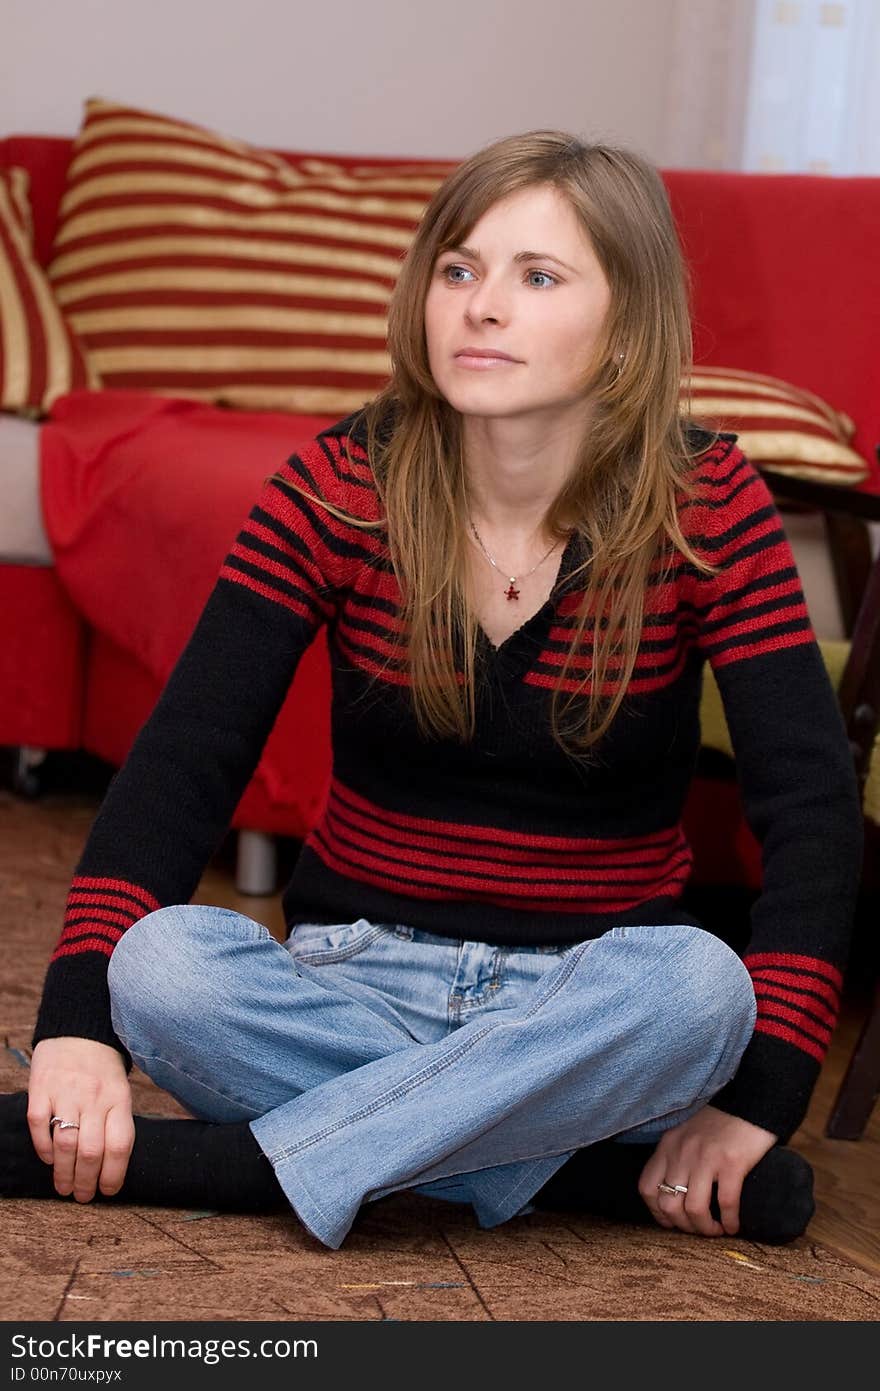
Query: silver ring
[672,1188]
[64,1125]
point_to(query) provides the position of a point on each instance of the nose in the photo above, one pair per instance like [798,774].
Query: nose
[486,302]
[475,315]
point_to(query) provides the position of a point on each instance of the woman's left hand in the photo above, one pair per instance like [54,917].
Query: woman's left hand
[710,1147]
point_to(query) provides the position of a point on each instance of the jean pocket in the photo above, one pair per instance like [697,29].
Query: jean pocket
[318,944]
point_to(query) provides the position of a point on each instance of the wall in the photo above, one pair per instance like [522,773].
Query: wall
[391,77]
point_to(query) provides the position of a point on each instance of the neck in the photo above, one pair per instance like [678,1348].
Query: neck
[504,562]
[515,468]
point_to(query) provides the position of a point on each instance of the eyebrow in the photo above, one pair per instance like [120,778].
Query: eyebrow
[520,256]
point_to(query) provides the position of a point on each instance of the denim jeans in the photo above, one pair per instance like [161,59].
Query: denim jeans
[372,1057]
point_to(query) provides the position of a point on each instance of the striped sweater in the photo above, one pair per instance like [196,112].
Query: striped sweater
[505,839]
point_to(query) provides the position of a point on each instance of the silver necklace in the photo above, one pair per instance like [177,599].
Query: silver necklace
[511,592]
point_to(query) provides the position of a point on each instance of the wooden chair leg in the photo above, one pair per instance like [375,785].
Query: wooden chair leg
[849,542]
[861,1083]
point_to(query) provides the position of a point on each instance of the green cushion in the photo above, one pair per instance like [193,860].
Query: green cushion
[715,734]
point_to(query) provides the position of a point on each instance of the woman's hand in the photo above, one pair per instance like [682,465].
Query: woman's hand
[84,1081]
[710,1147]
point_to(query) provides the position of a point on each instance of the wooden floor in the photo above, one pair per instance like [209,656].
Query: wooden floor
[847,1216]
[847,1172]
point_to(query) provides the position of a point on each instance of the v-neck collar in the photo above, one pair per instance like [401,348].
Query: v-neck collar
[514,655]
[516,652]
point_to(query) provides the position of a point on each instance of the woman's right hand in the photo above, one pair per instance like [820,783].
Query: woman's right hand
[81,1080]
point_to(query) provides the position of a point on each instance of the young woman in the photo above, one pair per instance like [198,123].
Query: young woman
[490,993]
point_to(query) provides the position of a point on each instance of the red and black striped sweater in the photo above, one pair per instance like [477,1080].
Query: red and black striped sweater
[503,840]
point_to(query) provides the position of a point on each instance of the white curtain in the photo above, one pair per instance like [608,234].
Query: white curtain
[814,88]
[780,86]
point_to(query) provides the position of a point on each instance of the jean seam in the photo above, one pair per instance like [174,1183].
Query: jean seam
[331,955]
[528,1179]
[190,1077]
[402,1089]
[329,1221]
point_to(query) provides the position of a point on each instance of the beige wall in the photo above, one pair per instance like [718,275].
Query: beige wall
[371,76]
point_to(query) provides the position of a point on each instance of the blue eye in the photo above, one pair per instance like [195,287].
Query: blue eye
[446,269]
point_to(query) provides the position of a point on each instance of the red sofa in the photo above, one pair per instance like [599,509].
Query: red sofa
[783,268]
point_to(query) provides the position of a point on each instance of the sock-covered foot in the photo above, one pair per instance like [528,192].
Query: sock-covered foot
[776,1203]
[174,1163]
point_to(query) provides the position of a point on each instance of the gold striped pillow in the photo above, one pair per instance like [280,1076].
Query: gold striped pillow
[40,357]
[779,425]
[195,265]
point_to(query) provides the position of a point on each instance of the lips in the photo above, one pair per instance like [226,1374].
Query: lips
[485,352]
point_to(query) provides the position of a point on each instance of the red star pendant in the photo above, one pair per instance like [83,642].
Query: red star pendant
[510,592]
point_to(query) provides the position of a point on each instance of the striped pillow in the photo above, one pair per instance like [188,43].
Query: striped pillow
[779,425]
[195,265]
[40,357]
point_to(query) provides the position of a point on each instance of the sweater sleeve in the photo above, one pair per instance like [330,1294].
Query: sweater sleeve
[797,784]
[169,806]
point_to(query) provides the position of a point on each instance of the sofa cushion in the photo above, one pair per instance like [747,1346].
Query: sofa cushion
[45,157]
[196,265]
[40,358]
[778,425]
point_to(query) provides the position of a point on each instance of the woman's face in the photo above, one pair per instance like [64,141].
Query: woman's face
[546,312]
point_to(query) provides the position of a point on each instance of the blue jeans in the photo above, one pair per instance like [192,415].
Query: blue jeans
[373,1057]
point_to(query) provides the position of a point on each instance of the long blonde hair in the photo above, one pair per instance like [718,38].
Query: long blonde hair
[621,493]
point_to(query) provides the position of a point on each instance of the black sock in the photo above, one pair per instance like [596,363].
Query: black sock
[174,1163]
[776,1203]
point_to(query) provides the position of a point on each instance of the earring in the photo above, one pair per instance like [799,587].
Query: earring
[620,359]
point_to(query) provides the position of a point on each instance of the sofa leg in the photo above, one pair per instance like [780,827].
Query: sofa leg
[25,762]
[256,868]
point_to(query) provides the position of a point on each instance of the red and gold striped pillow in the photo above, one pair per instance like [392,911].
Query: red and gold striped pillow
[40,358]
[196,265]
[779,425]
